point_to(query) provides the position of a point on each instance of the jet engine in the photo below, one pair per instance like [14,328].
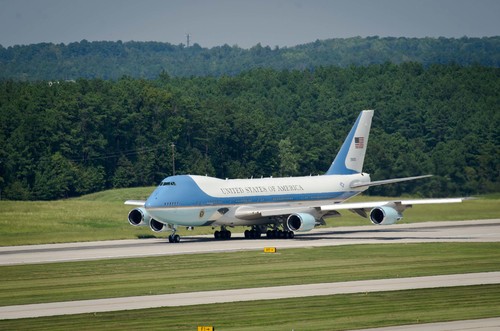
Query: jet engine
[300,222]
[385,215]
[139,217]
[158,226]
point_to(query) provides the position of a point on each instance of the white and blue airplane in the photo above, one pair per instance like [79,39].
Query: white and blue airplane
[278,207]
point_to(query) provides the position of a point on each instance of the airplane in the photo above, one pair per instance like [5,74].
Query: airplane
[278,207]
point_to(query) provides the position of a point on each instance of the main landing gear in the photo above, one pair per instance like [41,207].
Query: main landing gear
[253,234]
[223,234]
[256,233]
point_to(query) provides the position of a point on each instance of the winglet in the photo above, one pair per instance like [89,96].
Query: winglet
[351,156]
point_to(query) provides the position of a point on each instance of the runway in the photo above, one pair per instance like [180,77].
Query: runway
[455,231]
[246,294]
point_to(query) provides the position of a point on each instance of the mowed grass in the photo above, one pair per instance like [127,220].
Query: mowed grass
[25,284]
[103,216]
[338,312]
[99,216]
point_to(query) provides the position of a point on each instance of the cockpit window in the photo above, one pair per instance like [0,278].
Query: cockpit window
[167,184]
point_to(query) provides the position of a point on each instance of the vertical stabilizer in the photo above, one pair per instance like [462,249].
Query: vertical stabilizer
[351,156]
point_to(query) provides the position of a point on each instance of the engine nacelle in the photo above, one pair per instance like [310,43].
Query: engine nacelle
[385,215]
[157,226]
[139,217]
[300,222]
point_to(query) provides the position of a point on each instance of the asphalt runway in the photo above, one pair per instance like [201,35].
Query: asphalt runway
[456,231]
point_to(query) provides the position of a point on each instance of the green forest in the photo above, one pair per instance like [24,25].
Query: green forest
[115,59]
[63,139]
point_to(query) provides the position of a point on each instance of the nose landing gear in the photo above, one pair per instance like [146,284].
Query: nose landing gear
[174,238]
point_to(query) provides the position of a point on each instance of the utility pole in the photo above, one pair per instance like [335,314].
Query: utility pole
[187,39]
[173,158]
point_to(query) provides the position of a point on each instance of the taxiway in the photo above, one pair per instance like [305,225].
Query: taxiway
[455,231]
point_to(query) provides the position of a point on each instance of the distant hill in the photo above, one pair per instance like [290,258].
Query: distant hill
[112,60]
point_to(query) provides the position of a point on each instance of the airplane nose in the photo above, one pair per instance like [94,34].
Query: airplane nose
[154,199]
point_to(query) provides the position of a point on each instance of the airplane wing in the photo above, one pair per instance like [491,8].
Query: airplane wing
[399,205]
[135,202]
[360,208]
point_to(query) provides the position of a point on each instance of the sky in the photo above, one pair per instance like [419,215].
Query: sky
[245,23]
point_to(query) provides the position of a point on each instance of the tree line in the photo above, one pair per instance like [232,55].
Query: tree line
[64,139]
[112,60]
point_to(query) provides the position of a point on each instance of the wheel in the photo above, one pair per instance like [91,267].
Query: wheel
[269,234]
[228,234]
[217,234]
[170,239]
[291,235]
[176,238]
[247,234]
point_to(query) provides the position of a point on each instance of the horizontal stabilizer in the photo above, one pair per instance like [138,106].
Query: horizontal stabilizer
[387,181]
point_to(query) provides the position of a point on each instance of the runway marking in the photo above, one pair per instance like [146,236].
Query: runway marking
[247,294]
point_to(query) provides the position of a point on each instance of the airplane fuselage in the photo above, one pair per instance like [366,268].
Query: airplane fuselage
[200,200]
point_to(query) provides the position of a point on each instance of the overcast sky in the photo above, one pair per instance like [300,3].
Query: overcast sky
[241,22]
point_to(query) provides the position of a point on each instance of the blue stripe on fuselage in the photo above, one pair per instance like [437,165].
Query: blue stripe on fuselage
[186,193]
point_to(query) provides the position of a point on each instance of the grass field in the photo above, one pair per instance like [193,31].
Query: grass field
[339,312]
[24,284]
[173,274]
[103,216]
